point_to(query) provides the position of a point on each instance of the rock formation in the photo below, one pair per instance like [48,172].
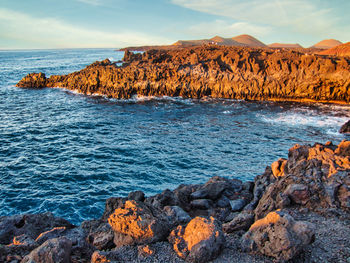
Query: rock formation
[278,235]
[218,72]
[345,128]
[341,50]
[327,44]
[217,221]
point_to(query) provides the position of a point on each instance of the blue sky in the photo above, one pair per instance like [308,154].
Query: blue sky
[120,23]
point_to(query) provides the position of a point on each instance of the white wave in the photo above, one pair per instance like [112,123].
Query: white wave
[227,112]
[300,119]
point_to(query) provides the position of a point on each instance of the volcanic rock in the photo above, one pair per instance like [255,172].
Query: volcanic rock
[317,177]
[57,250]
[341,50]
[345,128]
[30,224]
[212,71]
[278,235]
[240,222]
[200,241]
[177,215]
[137,223]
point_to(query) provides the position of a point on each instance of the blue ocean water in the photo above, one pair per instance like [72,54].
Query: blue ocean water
[66,153]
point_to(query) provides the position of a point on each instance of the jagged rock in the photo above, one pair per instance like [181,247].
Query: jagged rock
[138,223]
[30,224]
[176,215]
[278,235]
[112,204]
[298,193]
[316,177]
[345,128]
[137,196]
[24,240]
[101,237]
[200,241]
[166,198]
[203,204]
[56,250]
[52,233]
[218,72]
[237,205]
[240,222]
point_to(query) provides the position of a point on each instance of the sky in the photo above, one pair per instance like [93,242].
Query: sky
[29,24]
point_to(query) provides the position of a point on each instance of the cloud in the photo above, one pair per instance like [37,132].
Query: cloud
[226,29]
[91,2]
[24,31]
[301,16]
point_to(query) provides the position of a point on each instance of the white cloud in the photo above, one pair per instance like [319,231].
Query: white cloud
[32,32]
[225,29]
[301,16]
[91,2]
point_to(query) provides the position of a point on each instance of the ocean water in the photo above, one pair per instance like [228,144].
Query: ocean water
[66,153]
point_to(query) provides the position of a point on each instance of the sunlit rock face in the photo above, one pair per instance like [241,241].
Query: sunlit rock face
[200,241]
[215,71]
[278,235]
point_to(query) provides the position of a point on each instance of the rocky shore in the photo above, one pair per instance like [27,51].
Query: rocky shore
[298,210]
[211,71]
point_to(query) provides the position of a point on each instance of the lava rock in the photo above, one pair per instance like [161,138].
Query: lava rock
[176,215]
[345,128]
[138,223]
[240,222]
[237,205]
[278,235]
[200,241]
[204,204]
[56,250]
[137,196]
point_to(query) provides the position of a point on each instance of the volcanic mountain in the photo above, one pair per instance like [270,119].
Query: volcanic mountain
[282,45]
[249,41]
[341,50]
[327,44]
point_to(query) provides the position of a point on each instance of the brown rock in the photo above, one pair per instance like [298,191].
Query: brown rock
[56,250]
[197,72]
[240,222]
[200,241]
[298,193]
[345,128]
[137,223]
[279,236]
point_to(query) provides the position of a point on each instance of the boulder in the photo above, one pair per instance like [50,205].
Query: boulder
[137,196]
[345,128]
[29,224]
[104,257]
[278,235]
[203,204]
[101,237]
[237,205]
[33,80]
[200,241]
[240,222]
[56,250]
[138,223]
[176,215]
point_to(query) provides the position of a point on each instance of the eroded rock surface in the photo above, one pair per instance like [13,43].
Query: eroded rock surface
[137,223]
[200,241]
[215,71]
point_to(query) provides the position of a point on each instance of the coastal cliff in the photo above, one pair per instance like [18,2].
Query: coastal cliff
[298,209]
[212,71]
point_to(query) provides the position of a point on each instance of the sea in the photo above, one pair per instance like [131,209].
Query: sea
[67,153]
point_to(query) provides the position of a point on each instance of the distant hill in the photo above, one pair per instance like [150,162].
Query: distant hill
[327,44]
[282,45]
[249,41]
[341,50]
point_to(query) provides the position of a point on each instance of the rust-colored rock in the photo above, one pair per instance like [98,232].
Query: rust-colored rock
[200,241]
[278,235]
[137,223]
[317,177]
[212,71]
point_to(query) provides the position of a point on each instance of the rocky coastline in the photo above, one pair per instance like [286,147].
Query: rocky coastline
[241,73]
[298,210]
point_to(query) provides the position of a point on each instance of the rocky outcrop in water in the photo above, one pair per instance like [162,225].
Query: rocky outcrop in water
[223,220]
[214,71]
